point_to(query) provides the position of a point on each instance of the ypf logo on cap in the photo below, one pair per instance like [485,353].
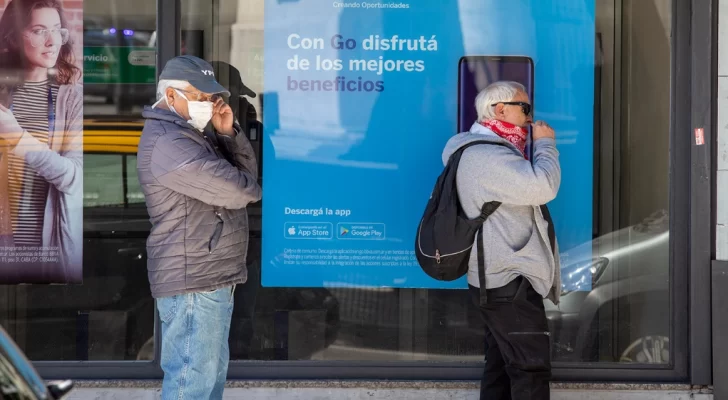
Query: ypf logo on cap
[198,72]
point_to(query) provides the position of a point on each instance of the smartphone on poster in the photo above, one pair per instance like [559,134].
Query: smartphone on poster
[475,73]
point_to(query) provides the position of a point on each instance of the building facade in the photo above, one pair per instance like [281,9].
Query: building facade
[636,90]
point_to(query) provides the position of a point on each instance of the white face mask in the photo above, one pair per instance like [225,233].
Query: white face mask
[200,111]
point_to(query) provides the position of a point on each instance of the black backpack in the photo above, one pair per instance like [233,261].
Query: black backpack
[445,235]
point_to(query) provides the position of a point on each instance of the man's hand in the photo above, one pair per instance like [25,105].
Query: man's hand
[222,118]
[542,130]
[10,130]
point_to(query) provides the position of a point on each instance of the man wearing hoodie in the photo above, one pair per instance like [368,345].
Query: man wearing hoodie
[521,268]
[197,183]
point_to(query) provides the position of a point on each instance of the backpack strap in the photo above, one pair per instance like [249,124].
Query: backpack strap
[462,148]
[551,229]
[481,268]
[488,209]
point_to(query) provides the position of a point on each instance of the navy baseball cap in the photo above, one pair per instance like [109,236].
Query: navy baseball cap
[196,71]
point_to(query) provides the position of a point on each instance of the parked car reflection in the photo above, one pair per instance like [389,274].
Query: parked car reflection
[612,309]
[20,381]
[613,302]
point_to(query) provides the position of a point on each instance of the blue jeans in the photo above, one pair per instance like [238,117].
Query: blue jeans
[195,352]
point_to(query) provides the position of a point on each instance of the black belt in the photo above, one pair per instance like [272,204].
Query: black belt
[508,291]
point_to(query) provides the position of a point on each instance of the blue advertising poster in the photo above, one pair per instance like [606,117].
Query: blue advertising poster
[360,99]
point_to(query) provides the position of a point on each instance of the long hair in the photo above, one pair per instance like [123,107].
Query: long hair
[13,62]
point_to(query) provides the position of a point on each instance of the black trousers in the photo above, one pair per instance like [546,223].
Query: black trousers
[517,340]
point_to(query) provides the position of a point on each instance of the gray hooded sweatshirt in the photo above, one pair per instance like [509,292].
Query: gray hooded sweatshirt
[515,236]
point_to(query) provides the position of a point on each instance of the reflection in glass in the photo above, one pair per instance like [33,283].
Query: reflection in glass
[111,315]
[615,282]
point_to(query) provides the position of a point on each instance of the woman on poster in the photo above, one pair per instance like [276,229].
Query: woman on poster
[41,146]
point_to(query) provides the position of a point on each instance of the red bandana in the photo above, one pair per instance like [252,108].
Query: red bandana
[512,133]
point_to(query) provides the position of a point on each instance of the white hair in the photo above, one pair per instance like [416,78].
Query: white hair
[165,84]
[495,93]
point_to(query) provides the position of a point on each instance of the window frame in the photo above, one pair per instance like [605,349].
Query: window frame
[693,87]
[122,177]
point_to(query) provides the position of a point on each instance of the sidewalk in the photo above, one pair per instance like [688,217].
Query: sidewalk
[338,390]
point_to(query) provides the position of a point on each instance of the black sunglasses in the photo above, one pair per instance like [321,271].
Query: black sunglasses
[524,106]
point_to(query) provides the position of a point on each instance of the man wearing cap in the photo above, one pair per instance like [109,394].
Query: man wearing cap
[196,182]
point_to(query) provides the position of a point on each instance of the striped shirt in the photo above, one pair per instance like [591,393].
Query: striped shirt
[28,190]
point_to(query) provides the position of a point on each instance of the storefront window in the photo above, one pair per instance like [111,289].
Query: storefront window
[611,214]
[108,315]
[364,141]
